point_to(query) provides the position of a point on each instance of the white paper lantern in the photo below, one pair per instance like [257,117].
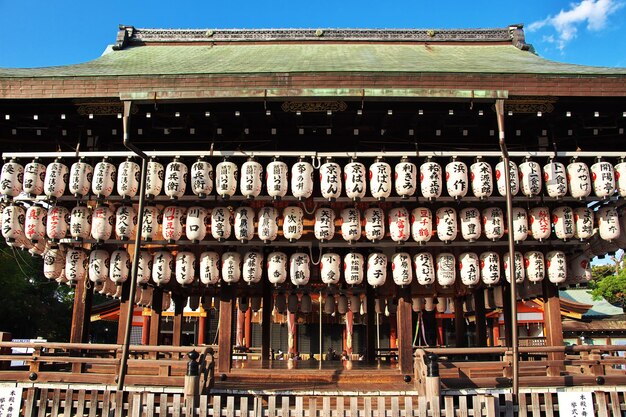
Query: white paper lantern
[173,223]
[535,266]
[469,269]
[563,221]
[520,224]
[518,267]
[324,226]
[57,222]
[120,266]
[608,223]
[75,265]
[555,177]
[276,179]
[405,176]
[493,221]
[81,175]
[35,223]
[55,181]
[620,177]
[351,224]
[380,179]
[293,223]
[579,269]
[299,268]
[221,223]
[446,269]
[584,219]
[128,178]
[154,178]
[540,223]
[11,178]
[150,224]
[447,228]
[231,267]
[251,181]
[125,222]
[13,219]
[513,178]
[99,262]
[556,264]
[175,179]
[103,179]
[101,223]
[481,177]
[53,262]
[354,177]
[252,267]
[471,227]
[430,179]
[144,268]
[376,269]
[353,268]
[374,224]
[457,182]
[34,176]
[603,178]
[268,224]
[201,178]
[226,179]
[185,268]
[209,268]
[421,224]
[401,268]
[424,268]
[330,180]
[244,223]
[530,178]
[277,268]
[162,265]
[196,223]
[38,248]
[490,268]
[399,224]
[330,268]
[579,179]
[302,179]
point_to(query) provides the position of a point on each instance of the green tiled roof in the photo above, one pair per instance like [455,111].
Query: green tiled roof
[232,58]
[601,308]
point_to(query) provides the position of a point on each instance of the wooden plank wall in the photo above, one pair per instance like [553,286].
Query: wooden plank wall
[97,402]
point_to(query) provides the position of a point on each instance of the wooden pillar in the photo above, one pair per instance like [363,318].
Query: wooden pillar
[266,321]
[481,318]
[506,310]
[201,327]
[81,313]
[145,330]
[404,316]
[224,345]
[553,327]
[247,332]
[460,326]
[126,308]
[496,332]
[393,332]
[177,330]
[370,326]
[155,317]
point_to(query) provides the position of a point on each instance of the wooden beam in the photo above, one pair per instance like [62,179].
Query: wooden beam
[460,326]
[266,321]
[224,344]
[404,317]
[83,296]
[126,308]
[553,327]
[177,332]
[370,325]
[155,318]
[481,319]
[508,324]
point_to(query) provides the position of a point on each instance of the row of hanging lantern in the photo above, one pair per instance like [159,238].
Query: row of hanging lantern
[231,267]
[36,223]
[529,178]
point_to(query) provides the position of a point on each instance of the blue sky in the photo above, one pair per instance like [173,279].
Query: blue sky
[45,33]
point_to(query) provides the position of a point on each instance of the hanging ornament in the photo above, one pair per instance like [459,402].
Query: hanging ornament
[354,178]
[579,269]
[103,178]
[430,179]
[579,179]
[535,266]
[399,225]
[493,219]
[128,178]
[329,268]
[201,178]
[513,178]
[603,178]
[557,267]
[154,178]
[376,269]
[102,223]
[99,261]
[185,268]
[490,268]
[380,179]
[35,223]
[401,269]
[125,222]
[11,179]
[469,267]
[34,176]
[446,224]
[470,224]
[353,267]
[226,179]
[268,224]
[173,223]
[556,179]
[424,268]
[57,223]
[421,224]
[608,223]
[351,224]
[221,220]
[231,267]
[162,265]
[405,176]
[446,271]
[277,268]
[324,227]
[251,180]
[620,177]
[330,180]
[175,179]
[13,219]
[302,179]
[120,266]
[518,267]
[299,268]
[520,224]
[53,262]
[293,223]
[584,219]
[540,223]
[144,268]
[481,178]
[457,182]
[563,222]
[244,223]
[75,265]
[276,179]
[530,177]
[209,268]
[252,267]
[196,223]
[55,181]
[150,224]
[80,222]
[374,224]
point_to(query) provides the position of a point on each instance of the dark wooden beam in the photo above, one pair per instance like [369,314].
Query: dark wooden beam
[460,326]
[266,321]
[81,312]
[506,310]
[126,308]
[553,327]
[481,319]
[370,326]
[155,317]
[224,344]
[177,331]
[404,317]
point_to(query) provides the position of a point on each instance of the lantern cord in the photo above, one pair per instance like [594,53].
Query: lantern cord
[217,333]
[319,258]
[318,159]
[307,211]
[417,328]
[17,261]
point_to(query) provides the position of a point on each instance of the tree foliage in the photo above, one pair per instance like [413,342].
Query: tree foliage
[608,284]
[30,305]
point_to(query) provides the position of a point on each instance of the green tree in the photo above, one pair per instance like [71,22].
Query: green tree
[608,284]
[30,305]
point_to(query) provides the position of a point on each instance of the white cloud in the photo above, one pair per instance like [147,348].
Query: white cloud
[592,12]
